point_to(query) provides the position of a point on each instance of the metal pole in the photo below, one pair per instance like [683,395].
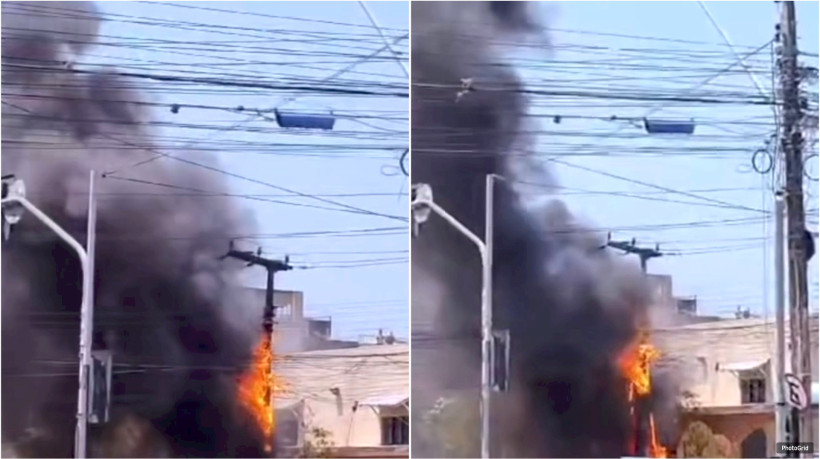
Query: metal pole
[86,325]
[781,411]
[487,315]
[486,312]
[82,403]
[454,223]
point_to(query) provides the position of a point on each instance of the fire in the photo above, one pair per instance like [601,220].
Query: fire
[636,365]
[655,447]
[256,387]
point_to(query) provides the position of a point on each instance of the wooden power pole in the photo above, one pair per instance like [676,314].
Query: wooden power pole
[643,438]
[791,142]
[268,320]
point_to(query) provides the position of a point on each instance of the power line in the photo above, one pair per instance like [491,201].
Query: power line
[651,185]
[230,174]
[218,81]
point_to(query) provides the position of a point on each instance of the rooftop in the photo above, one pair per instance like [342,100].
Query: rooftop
[731,324]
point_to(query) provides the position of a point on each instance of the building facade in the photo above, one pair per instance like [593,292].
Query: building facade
[726,369]
[672,310]
[354,401]
[295,332]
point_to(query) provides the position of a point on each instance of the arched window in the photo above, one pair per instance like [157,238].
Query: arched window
[754,445]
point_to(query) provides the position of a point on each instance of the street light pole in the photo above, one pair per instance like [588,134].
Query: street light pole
[488,356]
[487,316]
[424,200]
[85,327]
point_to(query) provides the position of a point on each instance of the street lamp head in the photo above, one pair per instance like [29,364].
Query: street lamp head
[13,188]
[421,196]
[420,192]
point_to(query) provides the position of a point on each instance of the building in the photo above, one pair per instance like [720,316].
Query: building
[670,309]
[726,368]
[294,332]
[357,397]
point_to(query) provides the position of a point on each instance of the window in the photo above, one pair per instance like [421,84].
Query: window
[396,430]
[288,428]
[753,390]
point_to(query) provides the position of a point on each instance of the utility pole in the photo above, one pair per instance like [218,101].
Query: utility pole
[792,146]
[272,267]
[642,407]
[630,247]
[269,315]
[781,409]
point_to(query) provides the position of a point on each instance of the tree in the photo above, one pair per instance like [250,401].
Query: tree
[318,442]
[454,425]
[699,441]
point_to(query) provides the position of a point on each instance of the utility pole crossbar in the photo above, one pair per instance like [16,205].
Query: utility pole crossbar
[643,253]
[272,267]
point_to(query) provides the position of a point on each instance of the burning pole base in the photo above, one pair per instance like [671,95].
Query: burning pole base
[642,415]
[256,388]
[636,367]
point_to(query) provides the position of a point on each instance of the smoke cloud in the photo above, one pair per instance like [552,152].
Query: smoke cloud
[162,295]
[571,307]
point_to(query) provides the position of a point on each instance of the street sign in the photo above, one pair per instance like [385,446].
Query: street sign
[795,392]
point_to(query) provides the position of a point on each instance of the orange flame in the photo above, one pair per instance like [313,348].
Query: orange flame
[655,447]
[636,365]
[256,387]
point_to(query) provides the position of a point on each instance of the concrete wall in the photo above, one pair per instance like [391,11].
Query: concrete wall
[698,356]
[334,384]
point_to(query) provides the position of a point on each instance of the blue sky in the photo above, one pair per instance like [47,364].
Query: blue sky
[361,280]
[725,264]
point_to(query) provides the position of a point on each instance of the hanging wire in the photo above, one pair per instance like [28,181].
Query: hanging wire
[764,153]
[390,170]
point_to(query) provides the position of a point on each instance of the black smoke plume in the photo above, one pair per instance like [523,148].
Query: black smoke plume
[162,295]
[570,306]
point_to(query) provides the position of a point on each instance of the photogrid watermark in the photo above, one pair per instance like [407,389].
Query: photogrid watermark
[786,448]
